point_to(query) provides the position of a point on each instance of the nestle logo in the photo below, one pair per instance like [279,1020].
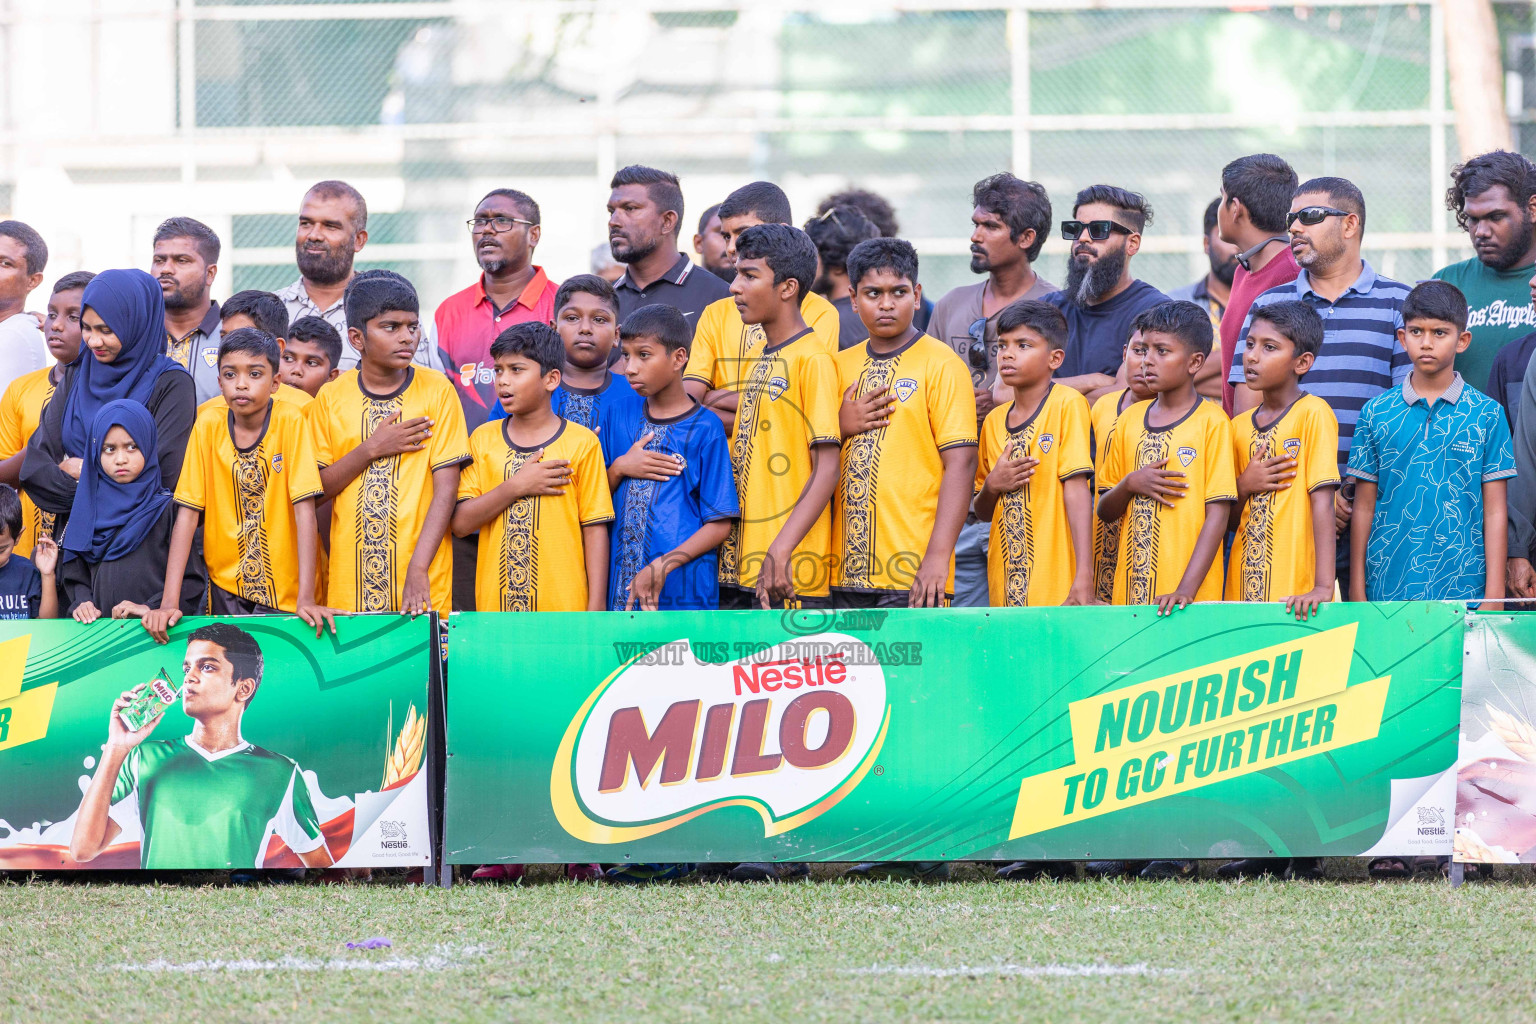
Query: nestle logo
[392,835]
[791,674]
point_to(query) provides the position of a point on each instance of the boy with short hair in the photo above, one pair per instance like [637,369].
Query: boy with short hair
[908,459]
[1034,467]
[1432,442]
[587,319]
[725,346]
[1106,413]
[669,467]
[21,407]
[389,437]
[785,452]
[28,589]
[536,490]
[1169,470]
[265,312]
[312,355]
[1285,534]
[251,478]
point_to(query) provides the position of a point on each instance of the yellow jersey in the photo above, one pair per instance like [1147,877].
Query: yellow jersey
[21,408]
[246,496]
[789,403]
[724,348]
[1030,558]
[1274,555]
[377,518]
[532,558]
[1157,542]
[1106,536]
[887,494]
[285,393]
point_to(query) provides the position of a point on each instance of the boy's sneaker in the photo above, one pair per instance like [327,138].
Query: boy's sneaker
[644,874]
[1113,868]
[497,873]
[901,871]
[1163,870]
[1029,870]
[758,871]
[1253,867]
[1305,869]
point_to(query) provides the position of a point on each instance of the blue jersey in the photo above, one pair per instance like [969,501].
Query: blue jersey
[1429,462]
[653,517]
[21,589]
[594,408]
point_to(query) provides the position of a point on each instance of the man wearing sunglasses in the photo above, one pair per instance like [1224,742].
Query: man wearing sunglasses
[1256,193]
[1494,199]
[1361,311]
[1010,219]
[1101,298]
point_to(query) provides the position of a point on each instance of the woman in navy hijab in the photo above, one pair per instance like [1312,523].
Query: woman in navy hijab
[119,533]
[122,327]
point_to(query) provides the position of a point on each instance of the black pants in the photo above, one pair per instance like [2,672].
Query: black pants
[873,598]
[222,602]
[737,599]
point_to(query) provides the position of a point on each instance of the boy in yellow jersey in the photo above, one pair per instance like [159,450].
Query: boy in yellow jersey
[725,347]
[1285,533]
[908,464]
[536,490]
[1106,413]
[1169,471]
[1034,468]
[390,440]
[21,407]
[784,453]
[251,478]
[265,312]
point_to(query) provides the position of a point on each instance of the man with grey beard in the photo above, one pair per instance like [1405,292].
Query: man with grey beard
[1100,298]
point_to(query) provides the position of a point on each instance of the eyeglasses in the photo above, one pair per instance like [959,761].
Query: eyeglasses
[1098,230]
[1313,215]
[496,224]
[976,355]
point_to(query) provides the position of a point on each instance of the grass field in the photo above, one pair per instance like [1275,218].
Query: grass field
[970,950]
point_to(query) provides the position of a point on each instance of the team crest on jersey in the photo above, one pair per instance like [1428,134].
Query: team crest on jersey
[1046,440]
[1293,447]
[776,386]
[211,357]
[1186,455]
[277,463]
[904,388]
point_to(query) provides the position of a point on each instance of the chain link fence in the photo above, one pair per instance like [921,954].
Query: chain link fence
[427,104]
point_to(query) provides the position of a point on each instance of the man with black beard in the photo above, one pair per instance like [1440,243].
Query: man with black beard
[1494,199]
[332,229]
[1100,298]
[185,262]
[1211,293]
[645,214]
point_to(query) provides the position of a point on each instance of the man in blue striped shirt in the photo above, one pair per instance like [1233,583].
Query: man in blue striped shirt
[1361,311]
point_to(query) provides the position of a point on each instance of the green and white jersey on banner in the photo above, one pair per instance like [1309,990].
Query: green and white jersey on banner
[1499,310]
[199,808]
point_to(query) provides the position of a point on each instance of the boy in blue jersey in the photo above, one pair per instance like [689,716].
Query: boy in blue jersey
[587,320]
[669,465]
[1434,444]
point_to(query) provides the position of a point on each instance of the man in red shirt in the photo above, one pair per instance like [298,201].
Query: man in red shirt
[510,290]
[1256,194]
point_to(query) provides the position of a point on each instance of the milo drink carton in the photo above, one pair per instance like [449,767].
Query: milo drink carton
[151,702]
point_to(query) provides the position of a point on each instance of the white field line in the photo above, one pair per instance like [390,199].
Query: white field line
[442,958]
[1019,971]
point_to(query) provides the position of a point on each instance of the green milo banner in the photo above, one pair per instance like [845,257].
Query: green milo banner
[241,743]
[1218,731]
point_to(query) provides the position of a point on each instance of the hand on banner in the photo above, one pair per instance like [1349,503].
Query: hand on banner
[416,595]
[87,613]
[1167,604]
[1520,578]
[775,581]
[1079,595]
[317,615]
[1303,606]
[158,622]
[928,585]
[129,610]
[645,591]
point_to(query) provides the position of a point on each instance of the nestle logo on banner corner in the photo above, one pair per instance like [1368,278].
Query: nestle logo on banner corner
[788,732]
[392,835]
[1431,821]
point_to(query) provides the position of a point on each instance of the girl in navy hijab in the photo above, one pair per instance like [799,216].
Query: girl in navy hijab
[122,327]
[119,532]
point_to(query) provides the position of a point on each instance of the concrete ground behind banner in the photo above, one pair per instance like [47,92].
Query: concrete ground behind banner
[969,950]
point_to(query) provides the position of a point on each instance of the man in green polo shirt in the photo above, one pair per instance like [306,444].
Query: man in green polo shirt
[1494,199]
[209,799]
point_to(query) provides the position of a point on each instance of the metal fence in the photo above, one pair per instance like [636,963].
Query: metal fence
[121,113]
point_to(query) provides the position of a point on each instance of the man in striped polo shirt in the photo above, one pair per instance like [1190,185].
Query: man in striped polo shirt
[1361,311]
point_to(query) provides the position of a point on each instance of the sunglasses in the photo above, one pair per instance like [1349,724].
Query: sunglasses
[1098,230]
[1313,215]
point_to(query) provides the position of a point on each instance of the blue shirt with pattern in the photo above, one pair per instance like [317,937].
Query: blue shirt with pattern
[1360,357]
[653,517]
[593,408]
[1429,461]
